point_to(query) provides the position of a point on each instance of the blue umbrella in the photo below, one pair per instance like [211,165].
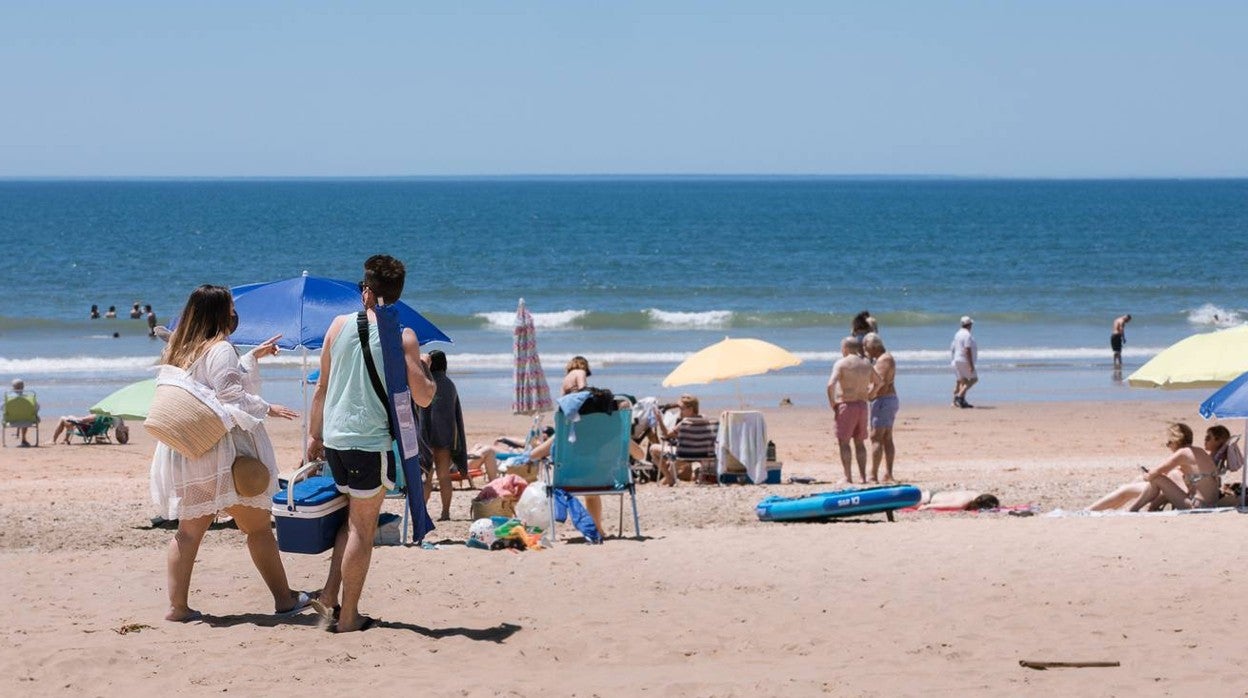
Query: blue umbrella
[1231,401]
[301,309]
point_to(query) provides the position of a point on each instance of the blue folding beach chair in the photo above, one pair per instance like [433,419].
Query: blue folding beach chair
[596,462]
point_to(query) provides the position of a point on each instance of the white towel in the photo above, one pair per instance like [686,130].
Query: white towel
[743,436]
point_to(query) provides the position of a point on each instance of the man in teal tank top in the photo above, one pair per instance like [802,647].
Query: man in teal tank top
[349,428]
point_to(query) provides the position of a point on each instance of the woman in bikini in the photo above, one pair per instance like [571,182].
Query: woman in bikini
[1200,478]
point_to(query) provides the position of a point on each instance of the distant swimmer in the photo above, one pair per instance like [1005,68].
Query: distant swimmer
[112,312]
[1118,337]
[151,321]
[95,312]
[135,311]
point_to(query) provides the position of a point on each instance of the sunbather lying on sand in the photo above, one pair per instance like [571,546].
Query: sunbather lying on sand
[967,500]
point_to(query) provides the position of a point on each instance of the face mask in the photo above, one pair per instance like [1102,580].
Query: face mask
[233,322]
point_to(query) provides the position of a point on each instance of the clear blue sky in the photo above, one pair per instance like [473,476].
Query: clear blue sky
[1046,88]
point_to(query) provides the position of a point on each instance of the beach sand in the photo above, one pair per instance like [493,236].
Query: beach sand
[711,602]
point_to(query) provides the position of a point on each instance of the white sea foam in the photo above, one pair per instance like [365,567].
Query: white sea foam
[76,364]
[1213,316]
[709,318]
[554,362]
[506,319]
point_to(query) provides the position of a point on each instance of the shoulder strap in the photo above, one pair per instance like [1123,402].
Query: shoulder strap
[361,325]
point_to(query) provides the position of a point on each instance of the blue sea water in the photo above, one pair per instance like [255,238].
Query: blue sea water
[636,273]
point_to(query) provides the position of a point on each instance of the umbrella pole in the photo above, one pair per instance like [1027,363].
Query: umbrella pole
[1243,474]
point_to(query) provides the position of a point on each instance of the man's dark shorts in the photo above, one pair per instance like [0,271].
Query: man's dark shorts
[1115,343]
[361,473]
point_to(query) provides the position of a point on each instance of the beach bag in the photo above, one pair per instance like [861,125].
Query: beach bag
[496,506]
[600,401]
[183,422]
[122,434]
[251,475]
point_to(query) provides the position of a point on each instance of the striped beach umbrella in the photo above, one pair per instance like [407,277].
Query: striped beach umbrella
[532,392]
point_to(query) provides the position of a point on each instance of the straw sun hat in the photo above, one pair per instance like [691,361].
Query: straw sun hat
[183,422]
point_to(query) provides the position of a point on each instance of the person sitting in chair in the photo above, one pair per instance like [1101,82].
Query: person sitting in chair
[689,409]
[19,388]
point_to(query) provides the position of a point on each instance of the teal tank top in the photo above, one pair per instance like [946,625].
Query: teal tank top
[354,419]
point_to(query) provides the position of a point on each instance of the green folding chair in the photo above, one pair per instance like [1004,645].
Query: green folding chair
[20,411]
[95,431]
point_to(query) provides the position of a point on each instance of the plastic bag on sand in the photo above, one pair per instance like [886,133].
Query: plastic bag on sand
[533,508]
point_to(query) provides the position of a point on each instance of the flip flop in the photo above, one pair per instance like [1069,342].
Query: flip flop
[369,622]
[302,601]
[190,617]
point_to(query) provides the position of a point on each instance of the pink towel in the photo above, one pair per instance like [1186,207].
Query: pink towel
[507,486]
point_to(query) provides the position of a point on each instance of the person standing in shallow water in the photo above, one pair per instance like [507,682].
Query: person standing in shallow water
[1118,337]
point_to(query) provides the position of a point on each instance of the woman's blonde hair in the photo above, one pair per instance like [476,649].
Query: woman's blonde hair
[578,362]
[689,401]
[205,320]
[1180,432]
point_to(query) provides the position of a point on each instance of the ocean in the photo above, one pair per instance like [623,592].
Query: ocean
[636,273]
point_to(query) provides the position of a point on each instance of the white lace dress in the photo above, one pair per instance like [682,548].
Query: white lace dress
[188,488]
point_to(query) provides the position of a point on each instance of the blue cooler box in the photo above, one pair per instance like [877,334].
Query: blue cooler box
[309,524]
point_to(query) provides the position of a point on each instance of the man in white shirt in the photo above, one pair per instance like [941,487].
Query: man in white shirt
[965,354]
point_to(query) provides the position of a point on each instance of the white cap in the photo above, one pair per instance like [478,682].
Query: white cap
[966,320]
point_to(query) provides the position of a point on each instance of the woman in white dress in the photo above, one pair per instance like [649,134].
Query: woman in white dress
[194,490]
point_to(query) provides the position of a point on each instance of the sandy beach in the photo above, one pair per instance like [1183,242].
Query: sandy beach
[709,602]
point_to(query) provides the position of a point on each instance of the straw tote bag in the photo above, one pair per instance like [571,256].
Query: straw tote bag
[183,422]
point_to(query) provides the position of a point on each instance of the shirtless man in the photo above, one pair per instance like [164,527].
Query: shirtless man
[884,406]
[1117,336]
[848,389]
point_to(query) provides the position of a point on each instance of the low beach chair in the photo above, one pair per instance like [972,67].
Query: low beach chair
[95,431]
[20,411]
[596,463]
[695,449]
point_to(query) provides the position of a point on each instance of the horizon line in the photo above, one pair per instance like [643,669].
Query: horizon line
[611,176]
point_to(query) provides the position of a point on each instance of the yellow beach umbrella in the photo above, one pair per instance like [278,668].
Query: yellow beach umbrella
[1208,360]
[731,358]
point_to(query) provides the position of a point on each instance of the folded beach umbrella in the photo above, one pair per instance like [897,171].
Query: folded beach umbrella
[1231,402]
[731,358]
[131,402]
[1207,360]
[532,394]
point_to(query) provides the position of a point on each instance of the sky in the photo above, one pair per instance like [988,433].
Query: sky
[1046,88]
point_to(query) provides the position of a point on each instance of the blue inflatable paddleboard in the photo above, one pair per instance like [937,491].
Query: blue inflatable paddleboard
[827,505]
